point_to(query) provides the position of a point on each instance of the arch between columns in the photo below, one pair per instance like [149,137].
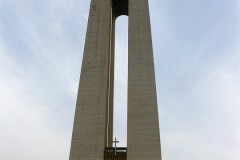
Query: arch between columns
[120,7]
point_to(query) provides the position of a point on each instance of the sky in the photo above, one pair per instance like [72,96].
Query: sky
[196,47]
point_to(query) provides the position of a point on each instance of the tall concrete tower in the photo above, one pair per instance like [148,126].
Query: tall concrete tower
[92,136]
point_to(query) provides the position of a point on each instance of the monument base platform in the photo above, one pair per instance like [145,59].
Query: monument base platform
[119,153]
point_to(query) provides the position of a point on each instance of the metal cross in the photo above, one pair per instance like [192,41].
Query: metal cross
[115,142]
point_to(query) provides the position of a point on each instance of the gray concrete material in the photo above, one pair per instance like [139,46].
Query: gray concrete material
[90,136]
[93,123]
[143,140]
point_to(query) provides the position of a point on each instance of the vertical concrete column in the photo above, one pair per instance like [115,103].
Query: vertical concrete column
[91,124]
[143,139]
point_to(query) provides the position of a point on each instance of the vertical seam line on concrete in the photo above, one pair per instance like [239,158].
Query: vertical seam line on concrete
[109,81]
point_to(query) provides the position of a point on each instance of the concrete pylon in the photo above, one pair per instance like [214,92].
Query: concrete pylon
[93,123]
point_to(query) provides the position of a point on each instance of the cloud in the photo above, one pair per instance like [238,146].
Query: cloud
[40,59]
[24,124]
[194,147]
[196,49]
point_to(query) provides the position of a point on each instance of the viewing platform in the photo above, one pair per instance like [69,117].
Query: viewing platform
[119,153]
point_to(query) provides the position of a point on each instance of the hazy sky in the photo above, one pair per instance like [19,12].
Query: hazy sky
[197,62]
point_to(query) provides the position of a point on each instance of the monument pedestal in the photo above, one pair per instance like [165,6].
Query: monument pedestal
[93,122]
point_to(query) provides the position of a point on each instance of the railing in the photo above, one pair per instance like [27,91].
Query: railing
[118,149]
[118,153]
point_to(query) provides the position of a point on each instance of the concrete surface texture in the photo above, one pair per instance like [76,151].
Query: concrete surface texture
[93,123]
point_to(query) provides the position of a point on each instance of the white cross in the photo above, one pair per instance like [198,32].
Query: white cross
[115,142]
